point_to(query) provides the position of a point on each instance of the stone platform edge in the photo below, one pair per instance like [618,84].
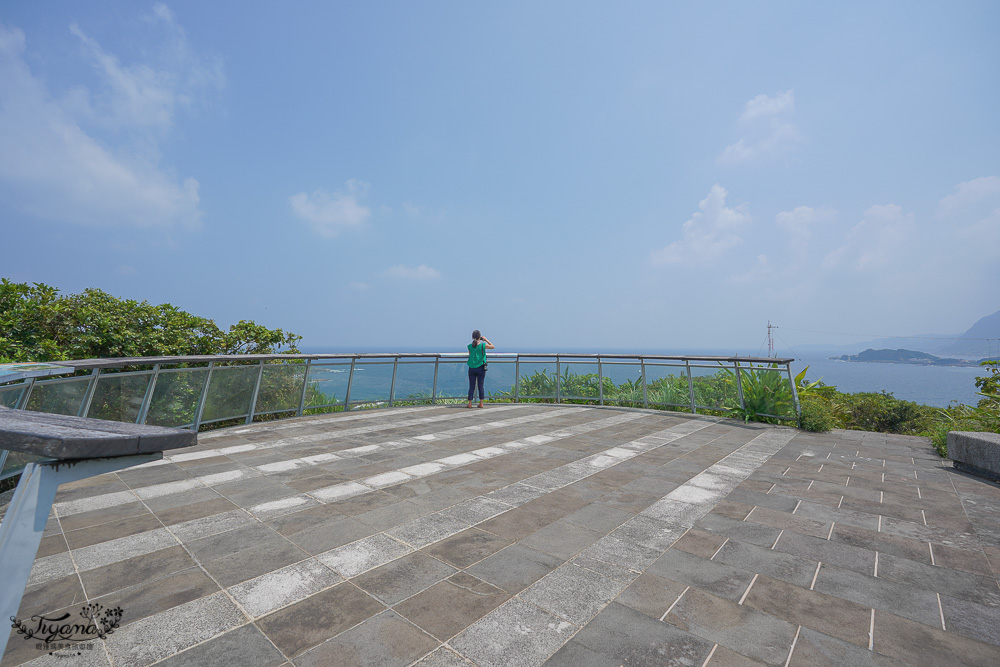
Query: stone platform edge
[976,453]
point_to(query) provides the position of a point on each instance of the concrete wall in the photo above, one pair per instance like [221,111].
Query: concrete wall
[977,453]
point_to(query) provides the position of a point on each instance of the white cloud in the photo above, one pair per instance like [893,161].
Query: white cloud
[878,242]
[763,106]
[971,195]
[770,133]
[145,95]
[972,214]
[801,219]
[328,213]
[737,152]
[52,168]
[403,272]
[761,272]
[799,223]
[711,231]
[358,286]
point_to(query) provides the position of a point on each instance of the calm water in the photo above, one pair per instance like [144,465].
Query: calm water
[930,385]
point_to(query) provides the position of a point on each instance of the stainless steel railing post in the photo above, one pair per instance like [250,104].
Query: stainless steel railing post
[88,396]
[204,395]
[517,378]
[148,398]
[739,384]
[694,408]
[305,385]
[795,392]
[22,401]
[600,382]
[434,387]
[558,378]
[392,385]
[256,391]
[350,379]
[645,396]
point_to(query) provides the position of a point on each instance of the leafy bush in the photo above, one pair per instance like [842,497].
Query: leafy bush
[766,394]
[817,415]
[39,324]
[884,413]
[824,406]
[983,418]
[989,384]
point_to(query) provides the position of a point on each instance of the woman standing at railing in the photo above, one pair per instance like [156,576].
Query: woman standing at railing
[477,365]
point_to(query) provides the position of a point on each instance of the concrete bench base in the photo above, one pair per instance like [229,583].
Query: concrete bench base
[976,453]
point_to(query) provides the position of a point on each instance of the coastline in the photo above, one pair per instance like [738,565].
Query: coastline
[933,385]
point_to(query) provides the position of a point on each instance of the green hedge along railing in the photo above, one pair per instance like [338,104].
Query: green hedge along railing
[212,391]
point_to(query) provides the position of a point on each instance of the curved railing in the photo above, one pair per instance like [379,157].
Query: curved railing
[199,391]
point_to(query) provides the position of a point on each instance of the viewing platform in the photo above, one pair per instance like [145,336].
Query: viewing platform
[521,534]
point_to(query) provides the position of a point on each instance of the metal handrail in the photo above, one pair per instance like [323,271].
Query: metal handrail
[162,368]
[90,364]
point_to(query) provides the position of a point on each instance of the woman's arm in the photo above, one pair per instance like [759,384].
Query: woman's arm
[489,345]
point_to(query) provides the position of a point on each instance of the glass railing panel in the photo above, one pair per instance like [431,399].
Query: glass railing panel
[578,381]
[118,396]
[175,397]
[500,376]
[623,383]
[327,385]
[667,386]
[280,388]
[453,379]
[714,387]
[229,392]
[538,379]
[16,461]
[414,381]
[767,392]
[11,396]
[59,397]
[371,382]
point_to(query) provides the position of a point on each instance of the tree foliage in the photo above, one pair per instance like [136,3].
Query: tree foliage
[37,323]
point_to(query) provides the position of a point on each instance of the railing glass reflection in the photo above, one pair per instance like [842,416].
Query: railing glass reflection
[191,392]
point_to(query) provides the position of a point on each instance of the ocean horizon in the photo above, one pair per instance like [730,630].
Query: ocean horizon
[937,386]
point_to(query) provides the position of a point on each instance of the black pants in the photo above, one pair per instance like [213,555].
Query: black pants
[477,376]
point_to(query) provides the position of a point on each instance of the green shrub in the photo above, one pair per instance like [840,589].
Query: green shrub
[983,418]
[989,384]
[766,394]
[884,413]
[817,415]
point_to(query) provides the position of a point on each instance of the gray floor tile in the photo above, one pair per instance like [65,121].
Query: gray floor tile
[403,577]
[515,567]
[630,638]
[243,646]
[516,634]
[385,640]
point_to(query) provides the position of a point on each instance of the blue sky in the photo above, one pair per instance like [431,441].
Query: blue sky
[560,175]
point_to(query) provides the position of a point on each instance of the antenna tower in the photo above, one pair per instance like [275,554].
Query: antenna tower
[770,339]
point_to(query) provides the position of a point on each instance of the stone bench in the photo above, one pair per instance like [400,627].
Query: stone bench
[75,448]
[976,453]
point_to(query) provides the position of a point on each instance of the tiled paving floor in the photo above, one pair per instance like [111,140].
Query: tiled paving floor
[528,535]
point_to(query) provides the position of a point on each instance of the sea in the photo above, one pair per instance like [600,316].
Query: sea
[937,386]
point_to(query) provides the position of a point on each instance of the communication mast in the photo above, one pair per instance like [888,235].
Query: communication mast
[770,339]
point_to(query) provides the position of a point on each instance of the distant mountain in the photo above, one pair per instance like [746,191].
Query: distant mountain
[950,345]
[987,327]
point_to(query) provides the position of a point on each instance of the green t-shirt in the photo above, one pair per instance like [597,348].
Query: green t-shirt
[477,354]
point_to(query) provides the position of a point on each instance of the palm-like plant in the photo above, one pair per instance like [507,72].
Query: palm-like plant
[766,396]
